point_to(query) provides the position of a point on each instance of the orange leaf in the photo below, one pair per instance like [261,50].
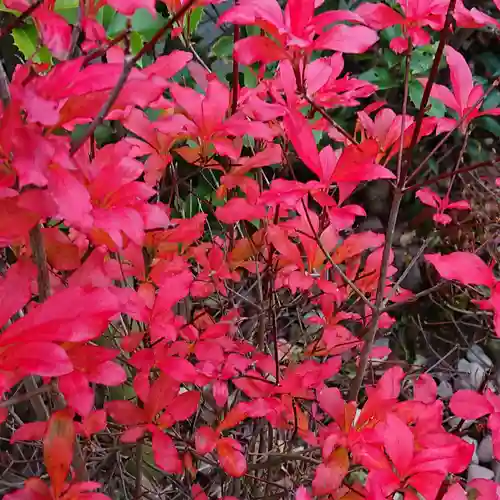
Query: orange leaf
[230,457]
[58,449]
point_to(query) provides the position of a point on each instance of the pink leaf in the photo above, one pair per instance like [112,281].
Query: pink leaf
[128,7]
[470,405]
[331,401]
[347,39]
[40,358]
[425,389]
[461,76]
[428,197]
[302,494]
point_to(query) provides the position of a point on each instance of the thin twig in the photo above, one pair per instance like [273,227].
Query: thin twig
[446,175]
[21,398]
[407,270]
[331,121]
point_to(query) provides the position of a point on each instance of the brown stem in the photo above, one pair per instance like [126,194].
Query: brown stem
[236,74]
[40,259]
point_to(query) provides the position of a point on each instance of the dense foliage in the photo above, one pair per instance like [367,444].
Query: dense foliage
[187,279]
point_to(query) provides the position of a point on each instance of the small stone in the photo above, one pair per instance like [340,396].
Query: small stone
[445,390]
[476,355]
[474,459]
[479,472]
[485,450]
[477,374]
[496,470]
[463,367]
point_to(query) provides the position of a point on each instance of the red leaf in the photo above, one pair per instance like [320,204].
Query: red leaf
[466,268]
[258,48]
[398,443]
[329,476]
[470,405]
[179,369]
[40,358]
[165,453]
[108,373]
[15,288]
[378,15]
[125,412]
[230,457]
[55,31]
[93,423]
[300,134]
[62,254]
[357,243]
[205,440]
[77,392]
[237,209]
[389,385]
[31,431]
[58,449]
[184,405]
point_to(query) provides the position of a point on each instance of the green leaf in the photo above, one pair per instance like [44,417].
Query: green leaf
[26,40]
[68,9]
[105,16]
[223,47]
[136,42]
[66,4]
[116,24]
[380,77]
[416,92]
[489,124]
[422,59]
[145,24]
[249,78]
[194,19]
